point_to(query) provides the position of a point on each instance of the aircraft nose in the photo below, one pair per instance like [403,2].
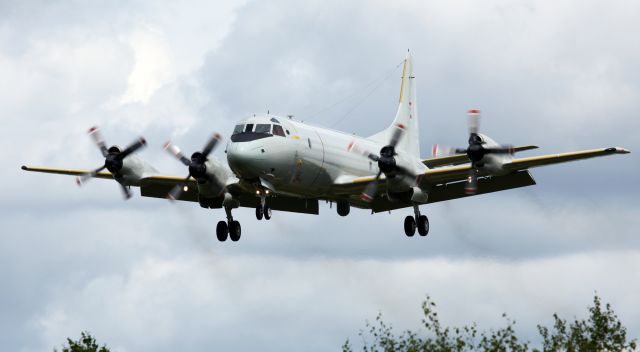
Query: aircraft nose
[244,157]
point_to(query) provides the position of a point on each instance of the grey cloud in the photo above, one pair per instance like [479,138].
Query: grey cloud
[82,259]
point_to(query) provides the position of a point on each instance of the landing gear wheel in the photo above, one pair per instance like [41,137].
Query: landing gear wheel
[267,212]
[259,212]
[235,231]
[409,226]
[423,225]
[222,231]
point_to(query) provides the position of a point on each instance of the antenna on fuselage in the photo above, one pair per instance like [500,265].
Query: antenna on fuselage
[290,117]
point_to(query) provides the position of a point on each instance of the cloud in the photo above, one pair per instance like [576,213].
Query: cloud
[562,75]
[282,303]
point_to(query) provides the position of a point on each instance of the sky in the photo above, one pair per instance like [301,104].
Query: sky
[146,275]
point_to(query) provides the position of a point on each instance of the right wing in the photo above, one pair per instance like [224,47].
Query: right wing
[106,175]
[160,186]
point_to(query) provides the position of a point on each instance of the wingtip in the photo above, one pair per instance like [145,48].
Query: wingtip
[618,150]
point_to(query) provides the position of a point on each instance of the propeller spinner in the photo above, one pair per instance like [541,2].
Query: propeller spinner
[475,151]
[197,165]
[386,162]
[113,159]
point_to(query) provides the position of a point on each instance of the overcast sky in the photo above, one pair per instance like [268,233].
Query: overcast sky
[145,275]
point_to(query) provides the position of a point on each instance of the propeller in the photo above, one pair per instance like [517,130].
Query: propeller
[196,165]
[386,162]
[475,151]
[113,159]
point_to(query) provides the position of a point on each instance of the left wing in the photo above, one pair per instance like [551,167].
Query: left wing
[459,173]
[462,158]
[434,178]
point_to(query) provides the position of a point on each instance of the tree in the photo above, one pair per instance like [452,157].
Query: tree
[602,331]
[86,343]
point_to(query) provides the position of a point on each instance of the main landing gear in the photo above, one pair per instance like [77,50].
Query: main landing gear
[228,229]
[420,222]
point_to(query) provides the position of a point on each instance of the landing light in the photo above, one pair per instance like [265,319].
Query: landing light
[185,188]
[258,192]
[266,191]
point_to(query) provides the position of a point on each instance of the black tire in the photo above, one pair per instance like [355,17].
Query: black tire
[267,212]
[343,208]
[235,231]
[409,226]
[222,231]
[423,225]
[259,212]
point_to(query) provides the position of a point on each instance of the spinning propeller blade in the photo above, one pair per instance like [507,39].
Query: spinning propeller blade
[386,162]
[113,159]
[197,165]
[476,150]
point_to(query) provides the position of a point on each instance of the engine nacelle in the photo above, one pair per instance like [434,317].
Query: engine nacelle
[492,162]
[400,196]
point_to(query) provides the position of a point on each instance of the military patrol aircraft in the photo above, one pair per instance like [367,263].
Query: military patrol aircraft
[283,164]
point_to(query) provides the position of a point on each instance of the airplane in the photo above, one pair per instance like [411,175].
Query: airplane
[283,164]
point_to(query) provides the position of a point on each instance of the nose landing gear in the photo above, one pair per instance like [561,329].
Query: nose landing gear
[263,210]
[418,221]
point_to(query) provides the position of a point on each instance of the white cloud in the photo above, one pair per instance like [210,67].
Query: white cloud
[285,303]
[152,65]
[561,75]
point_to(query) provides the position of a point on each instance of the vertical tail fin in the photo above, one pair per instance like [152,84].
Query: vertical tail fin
[406,116]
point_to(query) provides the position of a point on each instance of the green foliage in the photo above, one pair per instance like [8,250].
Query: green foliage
[86,343]
[602,331]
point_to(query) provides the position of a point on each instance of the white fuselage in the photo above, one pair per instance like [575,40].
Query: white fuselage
[306,161]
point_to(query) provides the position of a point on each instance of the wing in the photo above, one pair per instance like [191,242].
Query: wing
[456,190]
[462,158]
[448,182]
[459,173]
[160,186]
[106,175]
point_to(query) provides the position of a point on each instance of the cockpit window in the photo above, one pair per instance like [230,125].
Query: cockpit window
[278,131]
[263,128]
[238,129]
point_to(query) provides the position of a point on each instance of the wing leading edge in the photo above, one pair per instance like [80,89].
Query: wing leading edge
[158,186]
[462,158]
[459,173]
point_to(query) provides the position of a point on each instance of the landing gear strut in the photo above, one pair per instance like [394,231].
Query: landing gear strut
[228,229]
[418,221]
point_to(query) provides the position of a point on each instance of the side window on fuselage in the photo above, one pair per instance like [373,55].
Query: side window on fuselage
[278,131]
